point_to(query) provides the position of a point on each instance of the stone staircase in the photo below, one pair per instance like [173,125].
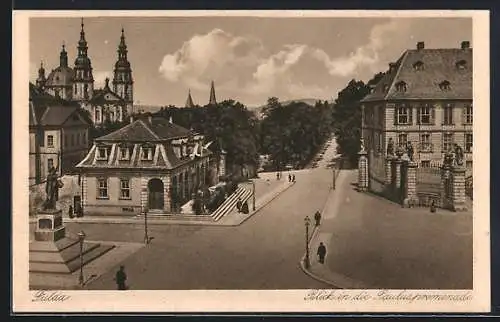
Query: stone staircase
[230,203]
[63,256]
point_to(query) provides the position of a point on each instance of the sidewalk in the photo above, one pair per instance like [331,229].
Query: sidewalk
[374,243]
[263,197]
[91,271]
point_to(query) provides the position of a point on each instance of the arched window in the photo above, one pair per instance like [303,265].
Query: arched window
[444,85]
[461,65]
[401,86]
[418,66]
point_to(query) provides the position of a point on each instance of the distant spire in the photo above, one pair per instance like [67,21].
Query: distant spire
[212,100]
[63,57]
[40,81]
[189,101]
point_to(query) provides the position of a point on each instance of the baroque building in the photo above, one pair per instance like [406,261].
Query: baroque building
[148,165]
[77,84]
[424,98]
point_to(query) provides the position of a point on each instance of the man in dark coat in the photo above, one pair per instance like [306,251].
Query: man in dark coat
[317,217]
[321,252]
[244,208]
[239,204]
[121,278]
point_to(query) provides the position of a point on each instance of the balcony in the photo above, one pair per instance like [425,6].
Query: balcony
[424,147]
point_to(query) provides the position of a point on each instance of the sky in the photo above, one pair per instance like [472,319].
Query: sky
[248,58]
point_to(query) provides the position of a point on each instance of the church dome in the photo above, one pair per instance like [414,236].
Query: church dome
[61,76]
[122,64]
[82,61]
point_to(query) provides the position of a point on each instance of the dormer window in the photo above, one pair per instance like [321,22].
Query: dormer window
[418,66]
[124,153]
[401,86]
[461,65]
[444,85]
[102,153]
[147,153]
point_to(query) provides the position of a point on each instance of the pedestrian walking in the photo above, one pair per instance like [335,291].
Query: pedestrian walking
[433,206]
[289,177]
[317,217]
[321,253]
[121,278]
[70,211]
[277,175]
[293,177]
[239,204]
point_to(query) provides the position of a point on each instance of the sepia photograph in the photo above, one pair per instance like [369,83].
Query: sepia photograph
[289,161]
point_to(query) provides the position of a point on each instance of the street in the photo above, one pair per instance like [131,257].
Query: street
[263,253]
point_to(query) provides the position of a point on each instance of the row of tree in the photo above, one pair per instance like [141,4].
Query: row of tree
[290,134]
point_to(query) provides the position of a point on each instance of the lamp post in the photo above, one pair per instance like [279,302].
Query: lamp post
[333,175]
[146,237]
[253,194]
[81,239]
[307,222]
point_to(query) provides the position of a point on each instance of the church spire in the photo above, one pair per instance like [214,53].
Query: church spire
[63,57]
[122,79]
[189,101]
[212,100]
[83,79]
[40,81]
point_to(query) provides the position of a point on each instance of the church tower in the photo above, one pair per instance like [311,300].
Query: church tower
[83,82]
[40,81]
[122,79]
[212,100]
[189,100]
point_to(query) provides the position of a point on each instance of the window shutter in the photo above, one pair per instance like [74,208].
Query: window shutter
[410,114]
[418,114]
[433,114]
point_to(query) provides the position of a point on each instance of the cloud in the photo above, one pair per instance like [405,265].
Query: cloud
[215,55]
[240,65]
[100,77]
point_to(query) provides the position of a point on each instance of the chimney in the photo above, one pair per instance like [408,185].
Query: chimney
[465,45]
[131,119]
[420,45]
[392,67]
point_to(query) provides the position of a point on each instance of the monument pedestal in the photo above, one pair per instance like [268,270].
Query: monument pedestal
[49,225]
[53,252]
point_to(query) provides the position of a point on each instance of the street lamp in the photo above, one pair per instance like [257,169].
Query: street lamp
[333,173]
[307,222]
[81,239]
[146,237]
[253,194]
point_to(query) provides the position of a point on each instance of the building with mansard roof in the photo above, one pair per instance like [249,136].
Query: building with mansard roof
[151,164]
[424,98]
[76,83]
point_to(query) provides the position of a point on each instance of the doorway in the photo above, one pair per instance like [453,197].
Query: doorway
[155,197]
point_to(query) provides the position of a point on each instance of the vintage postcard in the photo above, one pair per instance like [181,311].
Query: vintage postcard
[251,161]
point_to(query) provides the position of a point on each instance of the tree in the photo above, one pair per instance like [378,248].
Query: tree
[347,116]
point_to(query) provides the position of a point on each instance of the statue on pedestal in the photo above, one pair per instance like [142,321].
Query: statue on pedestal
[448,159]
[459,155]
[52,186]
[390,148]
[362,145]
[409,150]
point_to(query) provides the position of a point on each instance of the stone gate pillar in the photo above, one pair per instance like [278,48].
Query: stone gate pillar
[410,197]
[362,170]
[458,189]
[388,170]
[445,187]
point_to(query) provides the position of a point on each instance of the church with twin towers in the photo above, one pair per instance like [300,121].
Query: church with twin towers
[112,103]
